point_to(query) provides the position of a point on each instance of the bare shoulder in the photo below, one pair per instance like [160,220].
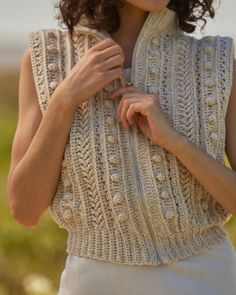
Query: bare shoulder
[231,109]
[26,65]
[27,91]
[231,123]
[29,113]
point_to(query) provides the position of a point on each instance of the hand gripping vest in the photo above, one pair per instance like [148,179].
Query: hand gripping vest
[120,197]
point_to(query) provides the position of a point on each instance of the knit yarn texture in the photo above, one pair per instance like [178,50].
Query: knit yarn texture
[121,197]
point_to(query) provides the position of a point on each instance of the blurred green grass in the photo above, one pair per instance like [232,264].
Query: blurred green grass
[24,251]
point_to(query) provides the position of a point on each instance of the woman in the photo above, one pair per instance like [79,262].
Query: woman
[144,197]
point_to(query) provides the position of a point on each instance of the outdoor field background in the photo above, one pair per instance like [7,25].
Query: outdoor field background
[31,260]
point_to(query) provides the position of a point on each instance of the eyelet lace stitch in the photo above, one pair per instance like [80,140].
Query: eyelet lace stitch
[102,214]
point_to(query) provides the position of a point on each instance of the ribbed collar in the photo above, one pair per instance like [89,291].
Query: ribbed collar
[157,23]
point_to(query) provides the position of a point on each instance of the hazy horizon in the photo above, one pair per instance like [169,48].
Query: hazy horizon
[18,18]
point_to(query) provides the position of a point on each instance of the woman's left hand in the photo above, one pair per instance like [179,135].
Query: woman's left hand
[145,110]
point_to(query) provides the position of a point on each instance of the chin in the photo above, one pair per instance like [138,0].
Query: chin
[149,5]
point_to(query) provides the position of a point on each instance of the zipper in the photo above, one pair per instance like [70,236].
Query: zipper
[134,156]
[138,180]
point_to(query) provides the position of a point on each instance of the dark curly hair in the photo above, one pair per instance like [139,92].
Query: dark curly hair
[103,14]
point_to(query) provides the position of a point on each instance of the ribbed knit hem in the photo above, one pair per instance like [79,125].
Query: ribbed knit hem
[170,249]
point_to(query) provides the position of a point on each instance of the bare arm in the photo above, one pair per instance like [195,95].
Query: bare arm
[39,141]
[37,150]
[230,146]
[217,179]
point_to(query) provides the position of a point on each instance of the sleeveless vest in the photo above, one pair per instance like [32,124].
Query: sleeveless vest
[121,197]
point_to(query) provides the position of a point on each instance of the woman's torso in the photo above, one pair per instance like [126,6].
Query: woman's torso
[212,272]
[110,173]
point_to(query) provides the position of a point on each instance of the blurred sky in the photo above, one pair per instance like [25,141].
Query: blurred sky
[18,18]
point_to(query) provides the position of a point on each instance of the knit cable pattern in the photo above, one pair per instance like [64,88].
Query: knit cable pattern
[120,197]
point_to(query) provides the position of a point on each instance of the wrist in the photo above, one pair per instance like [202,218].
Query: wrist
[64,100]
[177,143]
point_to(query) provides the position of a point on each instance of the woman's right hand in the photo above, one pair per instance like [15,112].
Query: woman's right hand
[101,64]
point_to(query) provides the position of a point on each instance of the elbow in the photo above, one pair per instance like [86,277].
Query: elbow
[19,210]
[232,208]
[233,211]
[18,214]
[23,219]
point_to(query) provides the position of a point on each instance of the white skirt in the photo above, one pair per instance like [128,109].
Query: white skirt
[212,272]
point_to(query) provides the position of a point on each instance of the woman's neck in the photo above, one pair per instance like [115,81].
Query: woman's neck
[131,22]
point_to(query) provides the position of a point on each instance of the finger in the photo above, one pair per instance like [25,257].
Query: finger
[101,45]
[122,90]
[120,105]
[124,106]
[132,110]
[114,61]
[112,50]
[113,74]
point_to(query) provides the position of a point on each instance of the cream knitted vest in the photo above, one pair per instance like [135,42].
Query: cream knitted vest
[120,197]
